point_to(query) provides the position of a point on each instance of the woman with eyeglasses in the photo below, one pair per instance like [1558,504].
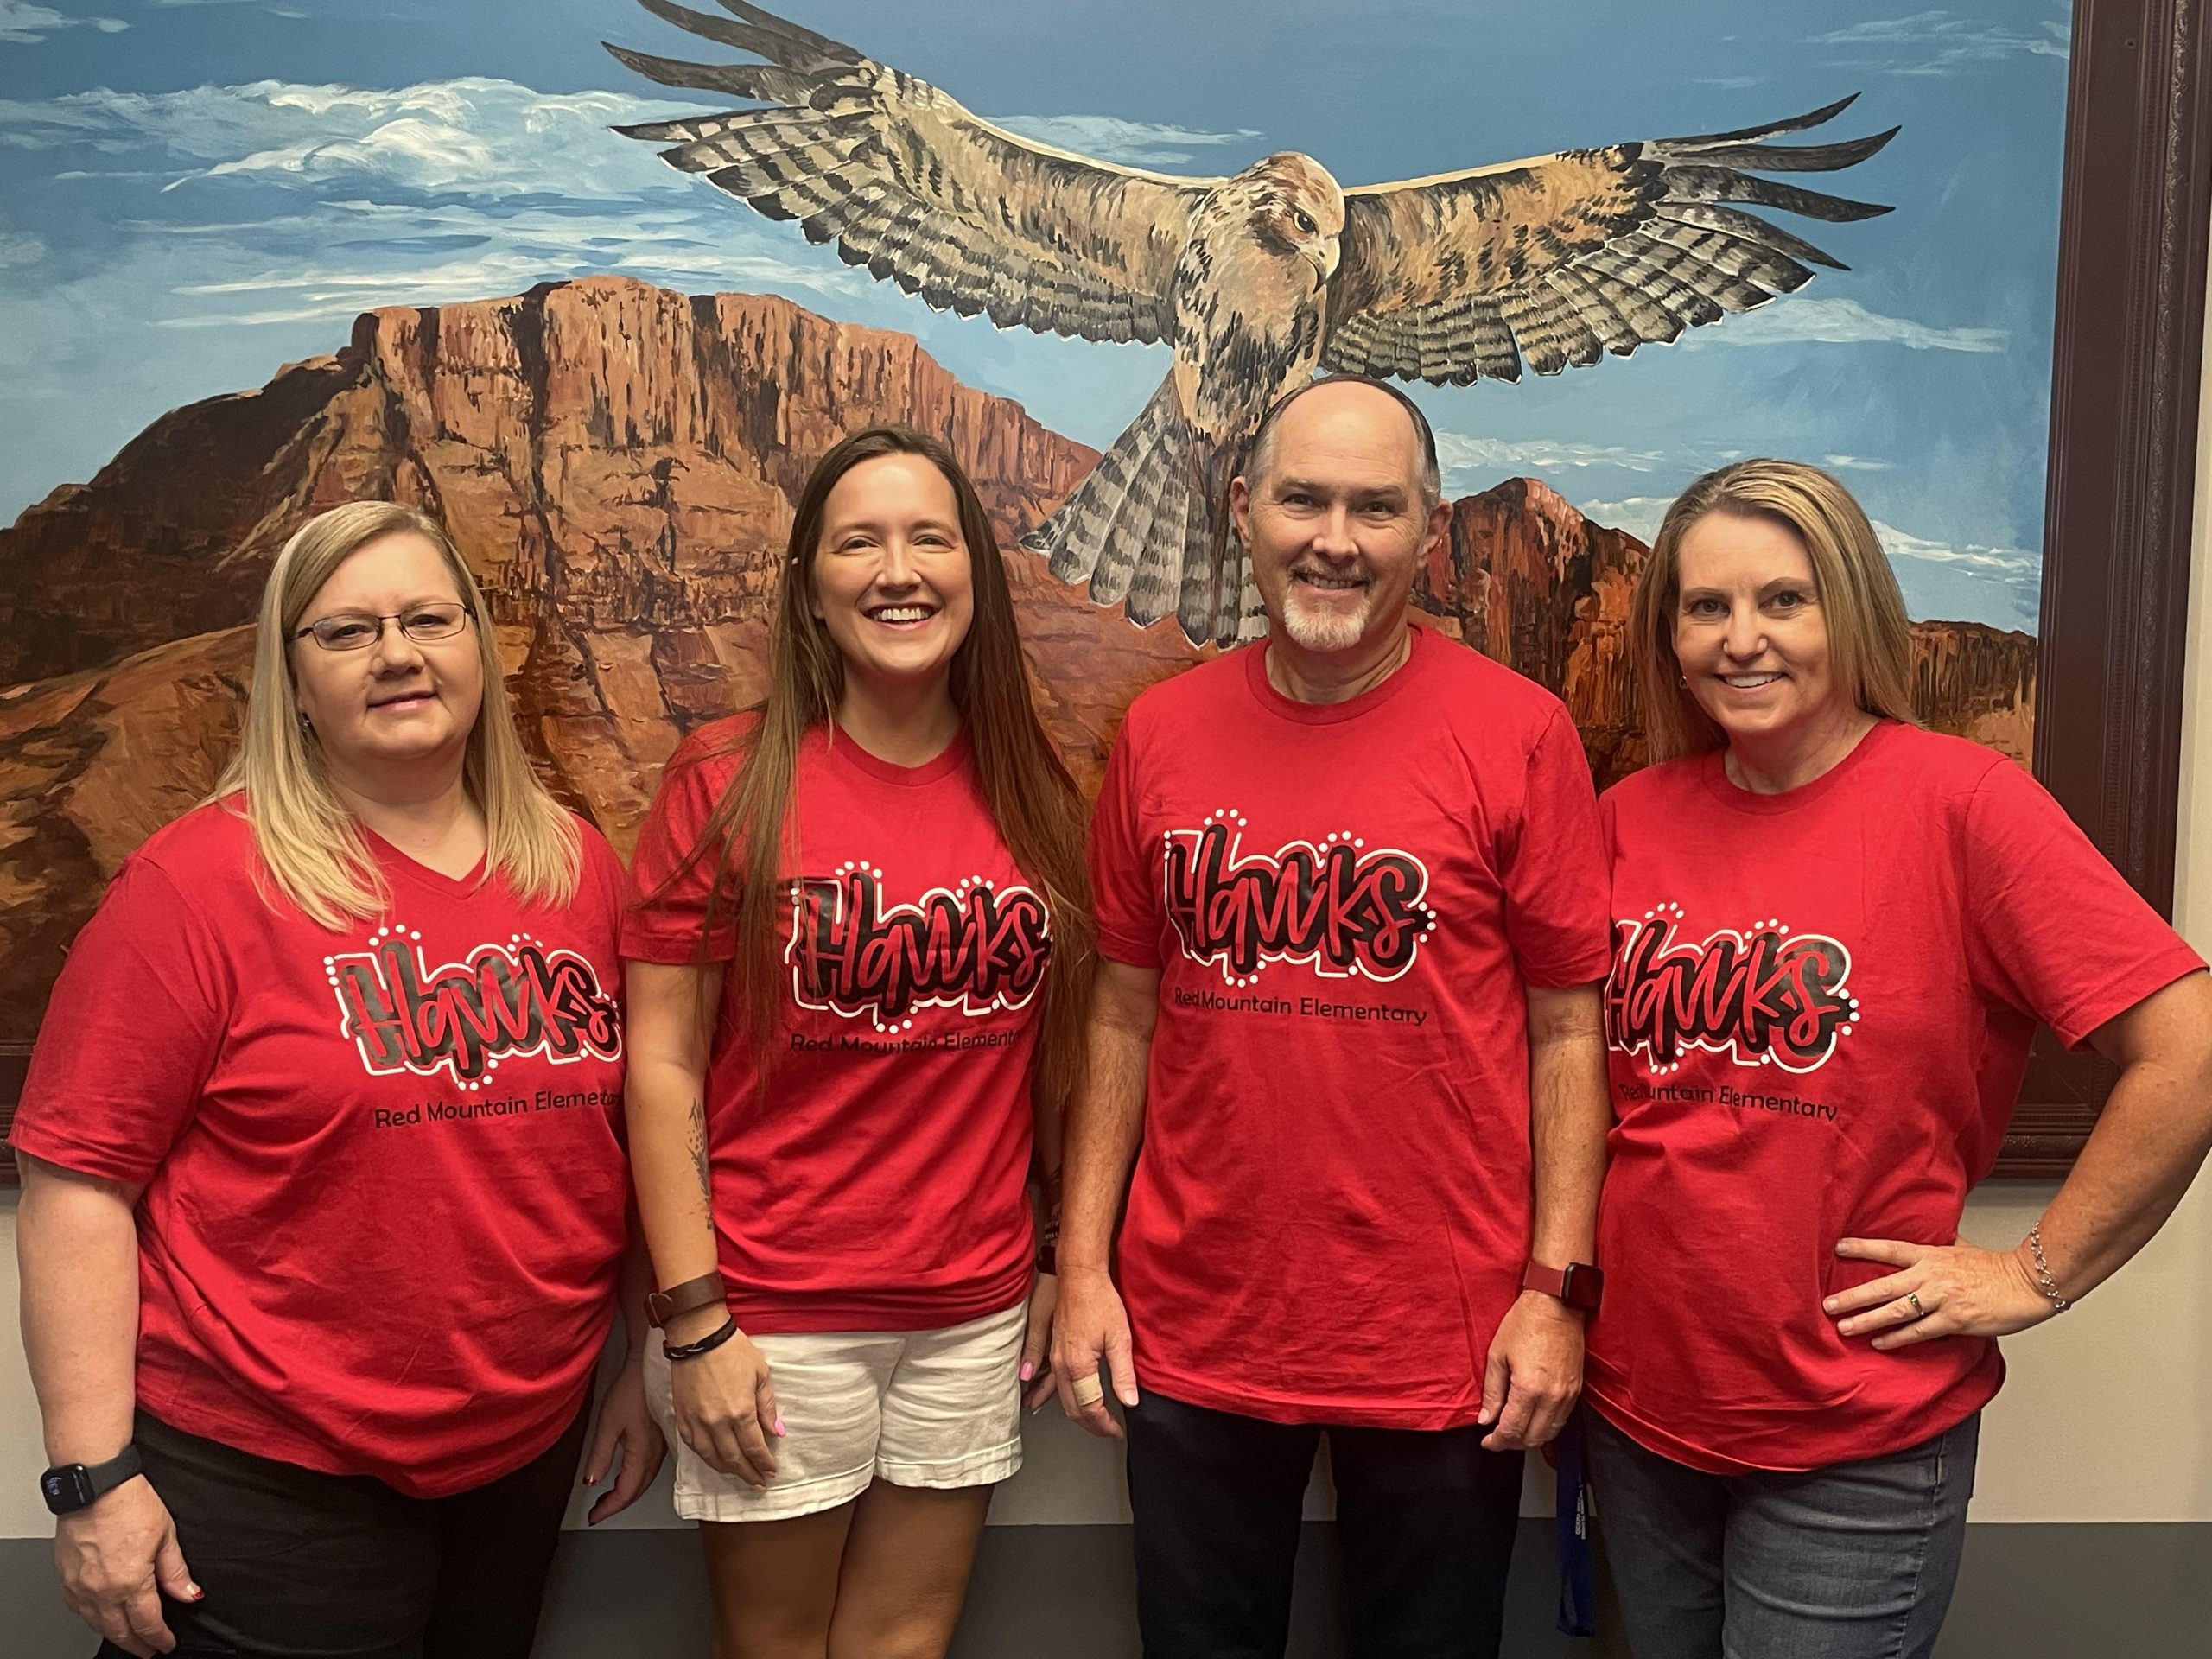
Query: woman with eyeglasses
[323,1202]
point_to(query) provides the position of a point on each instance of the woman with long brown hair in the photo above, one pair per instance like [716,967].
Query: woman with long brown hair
[847,1052]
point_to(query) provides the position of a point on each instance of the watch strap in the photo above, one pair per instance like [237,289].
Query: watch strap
[1577,1284]
[69,1487]
[662,1305]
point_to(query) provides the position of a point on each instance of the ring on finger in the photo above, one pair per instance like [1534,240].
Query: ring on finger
[1087,1390]
[1918,1312]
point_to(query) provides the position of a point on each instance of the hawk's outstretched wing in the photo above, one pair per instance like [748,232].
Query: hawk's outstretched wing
[968,216]
[1551,262]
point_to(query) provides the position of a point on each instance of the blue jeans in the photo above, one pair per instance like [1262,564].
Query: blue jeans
[1853,1562]
[1425,1522]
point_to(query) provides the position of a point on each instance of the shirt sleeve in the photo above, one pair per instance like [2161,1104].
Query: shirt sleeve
[672,875]
[2052,929]
[1123,881]
[130,1034]
[1556,909]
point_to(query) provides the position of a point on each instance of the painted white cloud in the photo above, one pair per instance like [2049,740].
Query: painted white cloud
[2007,561]
[1133,143]
[1470,463]
[1940,43]
[1796,319]
[24,24]
[1639,515]
[323,200]
[1857,464]
[474,136]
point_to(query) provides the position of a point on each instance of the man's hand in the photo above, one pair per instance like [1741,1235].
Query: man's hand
[1090,1328]
[117,1557]
[1534,1373]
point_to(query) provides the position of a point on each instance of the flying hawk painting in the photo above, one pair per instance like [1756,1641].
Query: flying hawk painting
[1256,282]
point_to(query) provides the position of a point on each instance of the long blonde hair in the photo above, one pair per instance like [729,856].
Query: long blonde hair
[1869,640]
[308,842]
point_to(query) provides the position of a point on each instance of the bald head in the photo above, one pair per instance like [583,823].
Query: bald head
[1372,414]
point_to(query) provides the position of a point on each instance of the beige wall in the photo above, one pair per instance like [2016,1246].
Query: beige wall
[2108,1415]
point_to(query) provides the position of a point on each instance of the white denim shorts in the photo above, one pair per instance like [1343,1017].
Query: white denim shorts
[918,1408]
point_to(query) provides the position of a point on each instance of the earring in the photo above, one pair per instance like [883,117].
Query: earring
[1682,680]
[306,725]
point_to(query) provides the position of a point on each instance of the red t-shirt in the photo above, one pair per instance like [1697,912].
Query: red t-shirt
[880,1184]
[384,1203]
[1819,1017]
[1332,1204]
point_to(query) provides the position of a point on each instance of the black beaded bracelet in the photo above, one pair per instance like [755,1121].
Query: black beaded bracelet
[706,1345]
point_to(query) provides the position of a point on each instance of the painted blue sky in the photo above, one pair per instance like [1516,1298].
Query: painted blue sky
[194,192]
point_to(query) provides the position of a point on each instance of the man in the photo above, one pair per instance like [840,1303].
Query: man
[1352,904]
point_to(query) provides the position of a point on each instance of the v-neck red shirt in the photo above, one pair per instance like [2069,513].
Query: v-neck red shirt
[385,1194]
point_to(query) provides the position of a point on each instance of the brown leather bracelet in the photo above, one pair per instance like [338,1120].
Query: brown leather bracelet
[662,1305]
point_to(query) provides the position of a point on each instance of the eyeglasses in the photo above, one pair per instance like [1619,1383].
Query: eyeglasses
[359,630]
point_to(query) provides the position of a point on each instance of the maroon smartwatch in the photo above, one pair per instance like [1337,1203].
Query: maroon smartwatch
[1577,1284]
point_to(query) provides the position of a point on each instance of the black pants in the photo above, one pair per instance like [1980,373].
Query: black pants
[292,1562]
[1425,1521]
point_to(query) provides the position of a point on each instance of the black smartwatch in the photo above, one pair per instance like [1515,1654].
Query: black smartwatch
[69,1487]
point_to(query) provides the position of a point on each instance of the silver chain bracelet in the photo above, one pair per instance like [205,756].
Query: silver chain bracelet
[2043,1269]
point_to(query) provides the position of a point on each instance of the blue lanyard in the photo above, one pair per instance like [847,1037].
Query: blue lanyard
[1576,1599]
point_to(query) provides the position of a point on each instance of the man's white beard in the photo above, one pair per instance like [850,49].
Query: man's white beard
[1312,628]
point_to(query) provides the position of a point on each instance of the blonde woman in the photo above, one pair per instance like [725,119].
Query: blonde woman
[1835,934]
[323,1202]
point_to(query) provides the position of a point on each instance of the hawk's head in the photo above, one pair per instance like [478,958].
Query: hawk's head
[1292,205]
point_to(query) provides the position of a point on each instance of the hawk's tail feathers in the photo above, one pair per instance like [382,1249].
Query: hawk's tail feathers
[1133,527]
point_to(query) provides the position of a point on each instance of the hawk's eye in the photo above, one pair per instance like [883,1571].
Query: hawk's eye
[1304,220]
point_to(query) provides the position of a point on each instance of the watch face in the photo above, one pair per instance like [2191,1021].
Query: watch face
[66,1488]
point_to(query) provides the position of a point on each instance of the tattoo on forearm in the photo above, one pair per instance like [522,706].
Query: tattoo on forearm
[697,1143]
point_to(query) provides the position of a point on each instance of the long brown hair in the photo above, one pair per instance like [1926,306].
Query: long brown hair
[1870,638]
[1032,799]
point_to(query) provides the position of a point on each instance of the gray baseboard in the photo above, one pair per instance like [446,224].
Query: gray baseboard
[2098,1592]
[1065,1591]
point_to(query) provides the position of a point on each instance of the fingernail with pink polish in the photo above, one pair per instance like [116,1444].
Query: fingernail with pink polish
[1027,1371]
[779,1426]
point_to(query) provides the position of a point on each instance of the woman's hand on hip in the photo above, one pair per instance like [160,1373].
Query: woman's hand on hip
[725,1410]
[1939,1290]
[1037,1379]
[117,1557]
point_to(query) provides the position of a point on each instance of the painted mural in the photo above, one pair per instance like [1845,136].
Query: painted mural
[261,258]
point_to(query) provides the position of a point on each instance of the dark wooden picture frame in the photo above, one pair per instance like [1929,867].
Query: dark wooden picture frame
[2117,521]
[2125,384]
